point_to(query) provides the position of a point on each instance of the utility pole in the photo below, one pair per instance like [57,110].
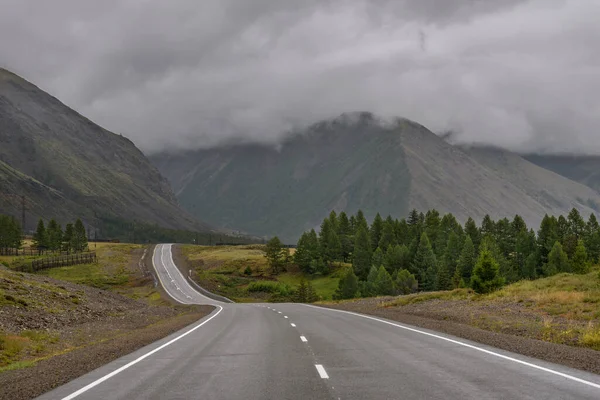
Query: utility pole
[23,213]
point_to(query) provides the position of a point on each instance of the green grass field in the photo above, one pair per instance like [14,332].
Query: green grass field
[223,269]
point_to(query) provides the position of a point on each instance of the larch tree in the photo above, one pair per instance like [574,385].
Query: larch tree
[361,256]
[579,261]
[486,274]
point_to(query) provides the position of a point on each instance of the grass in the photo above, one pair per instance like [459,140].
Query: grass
[109,272]
[564,308]
[224,270]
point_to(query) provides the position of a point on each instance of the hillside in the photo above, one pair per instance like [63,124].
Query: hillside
[67,166]
[580,168]
[357,162]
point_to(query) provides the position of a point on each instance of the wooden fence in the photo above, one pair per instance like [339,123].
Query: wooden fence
[20,252]
[58,261]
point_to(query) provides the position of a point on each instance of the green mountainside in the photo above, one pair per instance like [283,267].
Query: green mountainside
[356,162]
[67,167]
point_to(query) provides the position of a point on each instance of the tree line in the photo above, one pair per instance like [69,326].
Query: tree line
[11,234]
[53,238]
[434,252]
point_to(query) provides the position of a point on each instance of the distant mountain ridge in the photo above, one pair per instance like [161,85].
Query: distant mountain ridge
[67,167]
[357,162]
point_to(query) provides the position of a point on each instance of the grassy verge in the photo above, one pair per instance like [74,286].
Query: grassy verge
[242,274]
[563,309]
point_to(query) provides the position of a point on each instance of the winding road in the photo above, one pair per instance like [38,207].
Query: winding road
[295,351]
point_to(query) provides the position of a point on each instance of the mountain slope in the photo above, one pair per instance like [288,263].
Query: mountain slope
[69,167]
[353,162]
[580,168]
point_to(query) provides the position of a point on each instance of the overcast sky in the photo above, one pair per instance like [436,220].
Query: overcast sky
[522,74]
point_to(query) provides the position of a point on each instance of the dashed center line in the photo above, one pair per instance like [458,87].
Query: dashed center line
[322,372]
[285,316]
[292,324]
[303,339]
[278,312]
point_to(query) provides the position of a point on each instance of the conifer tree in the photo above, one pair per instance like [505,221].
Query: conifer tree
[558,261]
[592,239]
[376,231]
[347,287]
[425,264]
[467,259]
[345,235]
[361,256]
[486,274]
[372,284]
[443,280]
[547,236]
[387,235]
[396,258]
[55,234]
[405,282]
[303,255]
[472,231]
[579,262]
[79,240]
[432,227]
[275,255]
[68,238]
[402,232]
[385,285]
[361,221]
[488,227]
[377,258]
[40,237]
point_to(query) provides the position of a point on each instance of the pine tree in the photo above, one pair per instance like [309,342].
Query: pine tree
[562,228]
[466,261]
[301,294]
[361,221]
[504,237]
[576,224]
[387,235]
[54,234]
[40,238]
[79,237]
[432,227]
[547,236]
[347,287]
[330,246]
[472,231]
[531,266]
[402,232]
[303,255]
[68,238]
[396,258]
[507,270]
[424,264]
[592,239]
[311,293]
[486,274]
[11,235]
[274,255]
[488,227]
[452,252]
[372,285]
[456,278]
[405,282]
[385,285]
[413,217]
[443,280]
[376,231]
[558,261]
[579,262]
[333,219]
[361,257]
[345,235]
[352,225]
[377,258]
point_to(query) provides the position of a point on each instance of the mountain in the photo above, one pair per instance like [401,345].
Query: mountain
[68,167]
[356,162]
[580,168]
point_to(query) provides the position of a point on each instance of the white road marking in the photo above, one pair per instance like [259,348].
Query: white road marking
[322,372]
[137,360]
[303,339]
[470,346]
[285,316]
[292,324]
[278,312]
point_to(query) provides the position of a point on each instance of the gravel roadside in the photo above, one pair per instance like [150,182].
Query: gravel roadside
[575,357]
[50,373]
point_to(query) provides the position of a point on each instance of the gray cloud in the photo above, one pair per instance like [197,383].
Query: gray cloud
[522,74]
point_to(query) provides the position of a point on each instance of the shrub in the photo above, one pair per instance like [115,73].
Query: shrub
[270,287]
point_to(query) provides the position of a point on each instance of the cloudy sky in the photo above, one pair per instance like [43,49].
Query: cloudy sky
[522,74]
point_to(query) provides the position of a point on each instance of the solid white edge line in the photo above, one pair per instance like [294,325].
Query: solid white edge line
[292,324]
[160,279]
[322,372]
[303,339]
[137,360]
[470,346]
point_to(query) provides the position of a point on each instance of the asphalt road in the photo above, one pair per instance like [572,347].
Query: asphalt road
[294,351]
